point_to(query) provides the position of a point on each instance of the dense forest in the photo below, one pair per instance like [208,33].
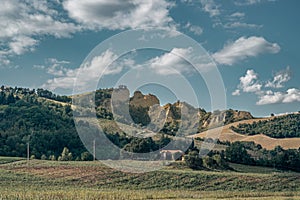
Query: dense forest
[286,126]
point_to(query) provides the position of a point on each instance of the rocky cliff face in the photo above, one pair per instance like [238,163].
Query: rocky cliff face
[145,101]
[180,110]
[144,109]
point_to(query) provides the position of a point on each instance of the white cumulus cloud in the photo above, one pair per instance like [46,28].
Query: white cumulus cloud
[89,73]
[177,61]
[237,92]
[119,14]
[172,62]
[24,22]
[270,97]
[249,82]
[279,79]
[244,48]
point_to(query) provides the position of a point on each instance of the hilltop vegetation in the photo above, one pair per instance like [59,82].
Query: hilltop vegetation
[287,126]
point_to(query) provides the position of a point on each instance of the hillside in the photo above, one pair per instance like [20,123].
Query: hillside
[285,126]
[45,120]
[226,133]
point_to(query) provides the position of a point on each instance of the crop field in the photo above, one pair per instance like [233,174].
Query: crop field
[93,180]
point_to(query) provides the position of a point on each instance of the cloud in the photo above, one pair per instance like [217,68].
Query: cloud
[108,63]
[119,14]
[172,62]
[89,73]
[250,2]
[243,48]
[197,30]
[292,95]
[54,67]
[210,7]
[176,62]
[57,68]
[235,21]
[237,92]
[280,78]
[237,15]
[21,44]
[232,25]
[26,22]
[249,82]
[270,97]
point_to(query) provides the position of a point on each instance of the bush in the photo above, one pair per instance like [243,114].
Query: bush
[43,157]
[86,156]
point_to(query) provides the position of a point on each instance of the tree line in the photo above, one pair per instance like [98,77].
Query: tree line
[287,126]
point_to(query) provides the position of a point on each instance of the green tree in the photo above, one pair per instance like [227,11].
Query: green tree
[66,155]
[86,156]
[193,160]
[237,153]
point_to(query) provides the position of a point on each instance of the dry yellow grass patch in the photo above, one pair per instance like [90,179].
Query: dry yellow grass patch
[226,134]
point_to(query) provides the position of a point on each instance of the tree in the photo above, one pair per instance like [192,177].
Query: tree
[52,157]
[193,160]
[237,153]
[86,156]
[43,157]
[209,162]
[10,99]
[66,155]
[141,145]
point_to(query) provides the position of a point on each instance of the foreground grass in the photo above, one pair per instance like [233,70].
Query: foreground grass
[93,180]
[4,160]
[142,194]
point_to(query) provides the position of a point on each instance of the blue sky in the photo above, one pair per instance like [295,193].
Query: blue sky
[254,44]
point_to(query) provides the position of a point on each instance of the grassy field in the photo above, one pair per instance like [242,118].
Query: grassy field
[4,160]
[226,134]
[92,180]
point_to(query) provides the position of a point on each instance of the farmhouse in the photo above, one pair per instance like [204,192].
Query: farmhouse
[171,154]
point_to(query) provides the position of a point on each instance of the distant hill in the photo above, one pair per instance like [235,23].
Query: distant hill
[46,121]
[226,133]
[284,126]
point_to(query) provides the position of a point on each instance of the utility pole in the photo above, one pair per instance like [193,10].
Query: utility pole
[28,147]
[94,150]
[28,151]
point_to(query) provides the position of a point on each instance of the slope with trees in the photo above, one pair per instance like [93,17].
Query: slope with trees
[286,126]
